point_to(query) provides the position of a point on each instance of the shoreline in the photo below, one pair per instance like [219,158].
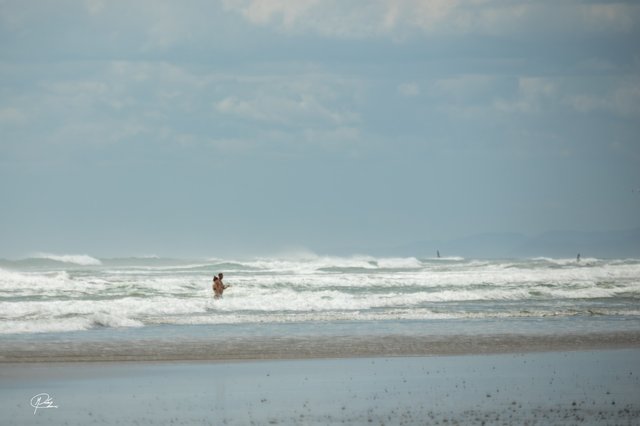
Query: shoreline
[565,387]
[305,347]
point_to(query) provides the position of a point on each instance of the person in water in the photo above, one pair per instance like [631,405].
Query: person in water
[218,286]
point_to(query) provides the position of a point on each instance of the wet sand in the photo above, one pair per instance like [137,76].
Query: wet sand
[211,348]
[578,380]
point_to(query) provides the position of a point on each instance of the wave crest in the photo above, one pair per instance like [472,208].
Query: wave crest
[77,259]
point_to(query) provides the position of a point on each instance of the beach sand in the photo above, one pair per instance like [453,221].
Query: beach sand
[565,381]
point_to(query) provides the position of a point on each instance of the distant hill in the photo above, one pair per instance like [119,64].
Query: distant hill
[593,244]
[605,244]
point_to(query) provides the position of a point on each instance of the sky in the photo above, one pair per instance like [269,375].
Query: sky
[247,127]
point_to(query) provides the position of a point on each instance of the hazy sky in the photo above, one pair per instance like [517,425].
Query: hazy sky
[233,127]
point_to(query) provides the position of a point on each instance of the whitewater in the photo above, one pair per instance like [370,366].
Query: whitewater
[54,294]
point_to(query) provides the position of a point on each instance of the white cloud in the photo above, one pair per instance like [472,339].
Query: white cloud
[264,11]
[536,87]
[78,88]
[332,18]
[96,132]
[294,101]
[626,98]
[532,95]
[623,100]
[462,87]
[116,102]
[611,16]
[12,116]
[293,111]
[584,103]
[399,18]
[95,7]
[482,96]
[409,90]
[168,25]
[619,96]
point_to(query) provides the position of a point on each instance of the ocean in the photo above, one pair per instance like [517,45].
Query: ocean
[79,296]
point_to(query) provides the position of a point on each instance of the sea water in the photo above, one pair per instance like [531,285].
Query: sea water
[87,298]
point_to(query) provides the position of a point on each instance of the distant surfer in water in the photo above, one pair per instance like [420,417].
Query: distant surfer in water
[578,258]
[218,286]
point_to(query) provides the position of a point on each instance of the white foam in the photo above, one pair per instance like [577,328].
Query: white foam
[65,324]
[400,263]
[310,264]
[44,326]
[77,259]
[104,319]
[448,258]
[69,315]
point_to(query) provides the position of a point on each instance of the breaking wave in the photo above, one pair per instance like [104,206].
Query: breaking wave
[78,292]
[77,259]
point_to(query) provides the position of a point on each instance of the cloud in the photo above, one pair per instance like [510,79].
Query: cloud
[173,105]
[619,96]
[263,12]
[409,90]
[533,93]
[463,87]
[95,7]
[284,111]
[328,18]
[11,116]
[295,110]
[334,18]
[622,99]
[402,18]
[168,25]
[294,102]
[622,17]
